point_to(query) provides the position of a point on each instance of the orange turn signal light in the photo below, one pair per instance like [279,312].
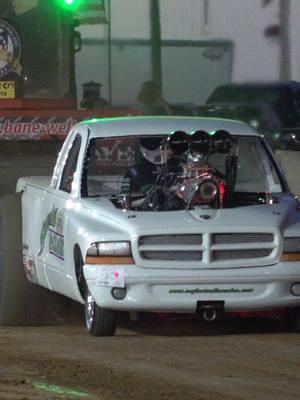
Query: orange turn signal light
[113,260]
[290,257]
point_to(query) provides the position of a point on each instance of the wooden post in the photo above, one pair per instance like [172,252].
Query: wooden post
[285,51]
[155,41]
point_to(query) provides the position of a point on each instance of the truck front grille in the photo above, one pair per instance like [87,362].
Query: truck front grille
[228,238]
[171,247]
[172,255]
[209,249]
[170,240]
[222,255]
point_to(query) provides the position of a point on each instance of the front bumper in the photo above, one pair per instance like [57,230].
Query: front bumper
[173,290]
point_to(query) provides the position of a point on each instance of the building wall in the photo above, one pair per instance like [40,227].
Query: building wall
[182,20]
[244,22]
[295,39]
[256,57]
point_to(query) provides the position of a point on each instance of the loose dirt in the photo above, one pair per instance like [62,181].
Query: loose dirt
[156,359]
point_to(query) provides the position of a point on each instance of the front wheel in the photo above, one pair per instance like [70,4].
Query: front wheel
[99,321]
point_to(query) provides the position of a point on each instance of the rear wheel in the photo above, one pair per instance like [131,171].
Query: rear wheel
[21,302]
[99,321]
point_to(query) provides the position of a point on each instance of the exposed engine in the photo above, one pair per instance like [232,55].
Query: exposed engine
[186,179]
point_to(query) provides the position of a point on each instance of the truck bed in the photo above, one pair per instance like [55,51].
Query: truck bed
[40,182]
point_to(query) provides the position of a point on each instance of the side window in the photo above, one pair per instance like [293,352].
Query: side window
[70,166]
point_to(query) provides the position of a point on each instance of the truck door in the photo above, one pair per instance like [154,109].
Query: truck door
[55,215]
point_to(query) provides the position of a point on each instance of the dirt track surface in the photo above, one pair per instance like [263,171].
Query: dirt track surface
[237,359]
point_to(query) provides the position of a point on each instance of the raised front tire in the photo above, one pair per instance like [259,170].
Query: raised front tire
[99,321]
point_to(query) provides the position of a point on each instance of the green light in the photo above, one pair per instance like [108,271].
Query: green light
[59,390]
[261,199]
[70,4]
[92,120]
[276,135]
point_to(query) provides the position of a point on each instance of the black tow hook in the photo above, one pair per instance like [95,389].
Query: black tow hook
[210,310]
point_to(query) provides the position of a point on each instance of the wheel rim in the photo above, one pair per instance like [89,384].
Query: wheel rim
[89,309]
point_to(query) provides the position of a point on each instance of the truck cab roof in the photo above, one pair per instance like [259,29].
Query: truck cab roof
[163,125]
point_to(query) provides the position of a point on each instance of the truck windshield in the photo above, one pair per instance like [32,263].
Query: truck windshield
[43,31]
[119,165]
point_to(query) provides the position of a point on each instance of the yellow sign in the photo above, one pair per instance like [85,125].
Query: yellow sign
[7,90]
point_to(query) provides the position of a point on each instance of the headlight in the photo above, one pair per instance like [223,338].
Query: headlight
[109,253]
[291,249]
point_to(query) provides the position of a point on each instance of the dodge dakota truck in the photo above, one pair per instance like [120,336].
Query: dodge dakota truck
[163,214]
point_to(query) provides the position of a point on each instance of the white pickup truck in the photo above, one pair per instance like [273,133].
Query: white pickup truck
[163,214]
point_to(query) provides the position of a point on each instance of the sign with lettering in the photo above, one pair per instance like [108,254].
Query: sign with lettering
[25,127]
[7,90]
